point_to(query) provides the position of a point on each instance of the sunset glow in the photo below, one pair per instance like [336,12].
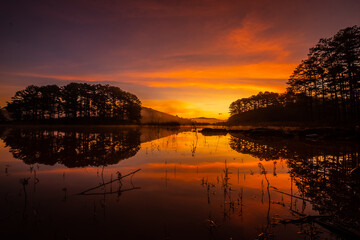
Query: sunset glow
[180,119]
[190,59]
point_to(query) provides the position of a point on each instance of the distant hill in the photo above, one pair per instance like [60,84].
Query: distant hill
[151,116]
[207,120]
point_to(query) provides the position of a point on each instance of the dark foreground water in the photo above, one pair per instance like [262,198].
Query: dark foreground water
[55,184]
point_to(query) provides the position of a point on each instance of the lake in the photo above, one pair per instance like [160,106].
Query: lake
[174,183]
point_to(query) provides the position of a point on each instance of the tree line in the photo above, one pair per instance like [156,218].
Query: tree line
[75,101]
[323,87]
[261,100]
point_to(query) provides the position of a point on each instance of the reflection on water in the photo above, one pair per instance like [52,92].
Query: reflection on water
[73,148]
[161,183]
[326,175]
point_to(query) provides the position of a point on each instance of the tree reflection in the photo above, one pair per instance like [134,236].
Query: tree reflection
[327,173]
[327,181]
[73,147]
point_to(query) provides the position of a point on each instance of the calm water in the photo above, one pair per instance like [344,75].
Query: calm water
[54,184]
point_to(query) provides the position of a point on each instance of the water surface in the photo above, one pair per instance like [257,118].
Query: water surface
[53,185]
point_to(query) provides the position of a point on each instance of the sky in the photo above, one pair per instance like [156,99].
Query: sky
[189,58]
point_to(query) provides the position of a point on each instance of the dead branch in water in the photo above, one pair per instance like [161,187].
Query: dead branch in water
[112,192]
[325,222]
[111,181]
[304,219]
[291,195]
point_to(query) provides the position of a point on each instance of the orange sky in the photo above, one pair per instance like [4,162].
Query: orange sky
[187,58]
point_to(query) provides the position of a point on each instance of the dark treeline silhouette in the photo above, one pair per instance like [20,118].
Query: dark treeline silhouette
[268,107]
[325,87]
[73,148]
[75,102]
[326,174]
[261,100]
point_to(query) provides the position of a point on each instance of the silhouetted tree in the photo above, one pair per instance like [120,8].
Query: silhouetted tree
[332,70]
[323,87]
[73,102]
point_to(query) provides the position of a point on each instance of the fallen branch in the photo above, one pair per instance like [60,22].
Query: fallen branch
[103,184]
[305,219]
[288,194]
[121,191]
[341,231]
[322,220]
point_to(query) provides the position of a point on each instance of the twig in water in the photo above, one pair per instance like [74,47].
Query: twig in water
[291,195]
[119,192]
[103,184]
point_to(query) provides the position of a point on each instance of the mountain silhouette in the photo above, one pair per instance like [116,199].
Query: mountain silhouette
[151,116]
